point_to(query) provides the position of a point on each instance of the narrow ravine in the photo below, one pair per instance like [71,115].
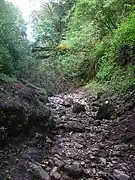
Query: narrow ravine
[83,145]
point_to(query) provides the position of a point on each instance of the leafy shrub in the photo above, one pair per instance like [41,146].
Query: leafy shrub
[7,79]
[123,79]
[124,41]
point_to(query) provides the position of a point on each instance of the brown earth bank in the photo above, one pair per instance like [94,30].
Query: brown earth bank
[85,138]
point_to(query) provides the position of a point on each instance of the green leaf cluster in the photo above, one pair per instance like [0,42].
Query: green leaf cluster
[101,37]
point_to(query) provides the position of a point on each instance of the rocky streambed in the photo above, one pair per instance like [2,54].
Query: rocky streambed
[92,139]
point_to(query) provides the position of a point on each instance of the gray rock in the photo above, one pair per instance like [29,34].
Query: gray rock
[68,102]
[103,154]
[38,136]
[40,172]
[55,174]
[97,123]
[106,110]
[119,147]
[75,127]
[103,160]
[55,169]
[12,114]
[120,175]
[77,108]
[74,170]
[34,142]
[40,118]
[116,153]
[79,146]
[128,137]
[29,153]
[18,104]
[58,162]
[48,140]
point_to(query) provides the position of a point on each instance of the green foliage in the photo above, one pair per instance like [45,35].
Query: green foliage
[96,87]
[107,68]
[7,79]
[44,32]
[49,27]
[82,40]
[123,80]
[15,55]
[98,34]
[124,41]
[101,37]
[51,22]
[117,65]
[125,34]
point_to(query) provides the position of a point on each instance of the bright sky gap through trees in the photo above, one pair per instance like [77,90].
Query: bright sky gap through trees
[26,7]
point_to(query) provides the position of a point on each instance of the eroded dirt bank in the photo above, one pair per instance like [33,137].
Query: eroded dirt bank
[92,141]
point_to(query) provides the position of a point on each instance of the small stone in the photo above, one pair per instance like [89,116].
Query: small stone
[103,160]
[48,140]
[38,136]
[38,170]
[110,164]
[82,163]
[94,171]
[79,146]
[116,153]
[121,147]
[51,162]
[8,178]
[74,169]
[106,102]
[128,137]
[103,154]
[87,171]
[120,175]
[7,171]
[68,102]
[131,146]
[56,175]
[34,142]
[70,133]
[58,162]
[123,167]
[77,108]
[58,156]
[94,149]
[17,160]
[97,123]
[55,169]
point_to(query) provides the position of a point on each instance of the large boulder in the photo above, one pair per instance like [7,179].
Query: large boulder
[23,106]
[13,115]
[78,108]
[41,120]
[106,110]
